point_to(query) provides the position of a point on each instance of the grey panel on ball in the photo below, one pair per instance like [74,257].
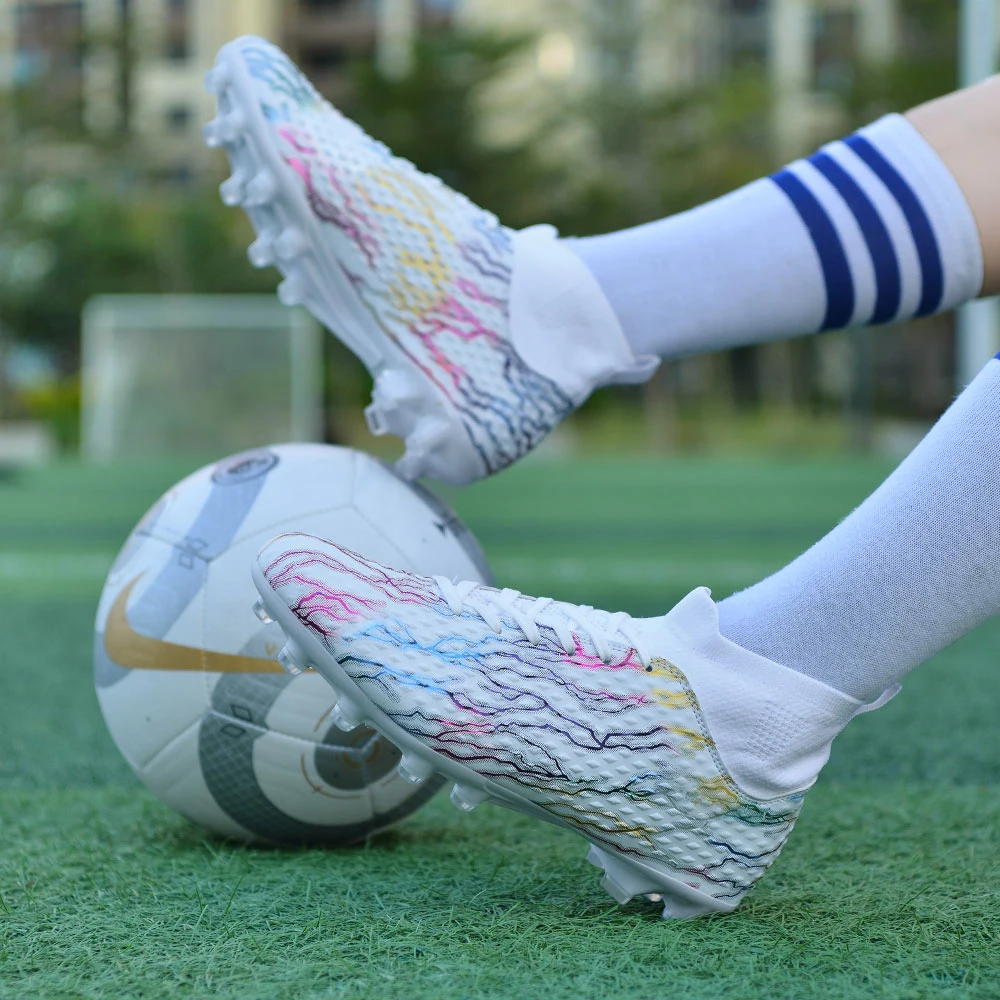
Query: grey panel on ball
[106,671]
[450,522]
[350,761]
[236,484]
[140,533]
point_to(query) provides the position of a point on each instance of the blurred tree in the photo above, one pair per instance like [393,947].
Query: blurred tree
[431,118]
[925,68]
[62,242]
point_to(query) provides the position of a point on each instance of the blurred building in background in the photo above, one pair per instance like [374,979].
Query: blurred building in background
[807,48]
[97,69]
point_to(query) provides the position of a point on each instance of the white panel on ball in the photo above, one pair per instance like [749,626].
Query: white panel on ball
[176,775]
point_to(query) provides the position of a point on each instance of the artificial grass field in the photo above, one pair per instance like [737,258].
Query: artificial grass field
[888,886]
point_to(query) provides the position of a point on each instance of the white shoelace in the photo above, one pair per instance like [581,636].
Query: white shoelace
[530,617]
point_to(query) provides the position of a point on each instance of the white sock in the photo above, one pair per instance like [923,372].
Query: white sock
[915,567]
[871,229]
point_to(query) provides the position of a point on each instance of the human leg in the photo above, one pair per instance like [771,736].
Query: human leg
[868,230]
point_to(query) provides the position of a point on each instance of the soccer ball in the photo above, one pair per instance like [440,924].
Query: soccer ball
[186,675]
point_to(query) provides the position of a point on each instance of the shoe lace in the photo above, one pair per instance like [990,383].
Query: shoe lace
[535,613]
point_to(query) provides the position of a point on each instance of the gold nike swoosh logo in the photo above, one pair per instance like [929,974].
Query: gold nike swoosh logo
[129,649]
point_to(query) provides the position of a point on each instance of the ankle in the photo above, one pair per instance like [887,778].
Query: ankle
[772,726]
[561,323]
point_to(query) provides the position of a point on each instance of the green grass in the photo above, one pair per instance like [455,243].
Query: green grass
[889,887]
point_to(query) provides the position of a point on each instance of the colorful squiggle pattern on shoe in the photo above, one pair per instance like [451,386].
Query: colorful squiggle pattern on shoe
[431,269]
[620,752]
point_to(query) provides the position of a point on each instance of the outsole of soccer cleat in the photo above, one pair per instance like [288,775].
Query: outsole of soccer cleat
[624,877]
[405,401]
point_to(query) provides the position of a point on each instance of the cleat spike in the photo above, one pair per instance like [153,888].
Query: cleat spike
[615,890]
[393,387]
[233,126]
[224,129]
[260,612]
[376,420]
[291,244]
[262,189]
[291,292]
[232,191]
[261,252]
[466,798]
[345,715]
[430,432]
[212,135]
[395,402]
[624,881]
[429,435]
[414,769]
[217,79]
[287,657]
[410,467]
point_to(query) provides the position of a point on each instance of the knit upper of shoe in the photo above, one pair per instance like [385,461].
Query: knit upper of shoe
[614,747]
[431,269]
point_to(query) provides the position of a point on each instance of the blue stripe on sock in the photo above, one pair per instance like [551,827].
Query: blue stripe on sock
[888,280]
[833,259]
[920,225]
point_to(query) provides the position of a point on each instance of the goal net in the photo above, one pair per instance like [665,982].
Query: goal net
[199,375]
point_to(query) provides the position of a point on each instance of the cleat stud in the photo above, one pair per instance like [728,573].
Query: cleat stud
[394,387]
[291,292]
[414,769]
[232,191]
[345,716]
[429,435]
[211,134]
[430,432]
[261,252]
[410,466]
[376,420]
[467,798]
[287,657]
[595,857]
[290,244]
[262,189]
[260,612]
[615,890]
[232,126]
[217,79]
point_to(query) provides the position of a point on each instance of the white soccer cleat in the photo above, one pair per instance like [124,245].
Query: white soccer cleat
[414,278]
[682,758]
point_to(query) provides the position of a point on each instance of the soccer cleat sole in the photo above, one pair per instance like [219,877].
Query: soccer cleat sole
[624,879]
[405,402]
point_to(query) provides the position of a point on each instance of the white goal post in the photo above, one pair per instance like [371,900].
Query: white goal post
[199,375]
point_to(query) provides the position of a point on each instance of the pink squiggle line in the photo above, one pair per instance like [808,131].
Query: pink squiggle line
[471,289]
[326,211]
[395,585]
[451,319]
[291,137]
[356,213]
[591,661]
[341,608]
